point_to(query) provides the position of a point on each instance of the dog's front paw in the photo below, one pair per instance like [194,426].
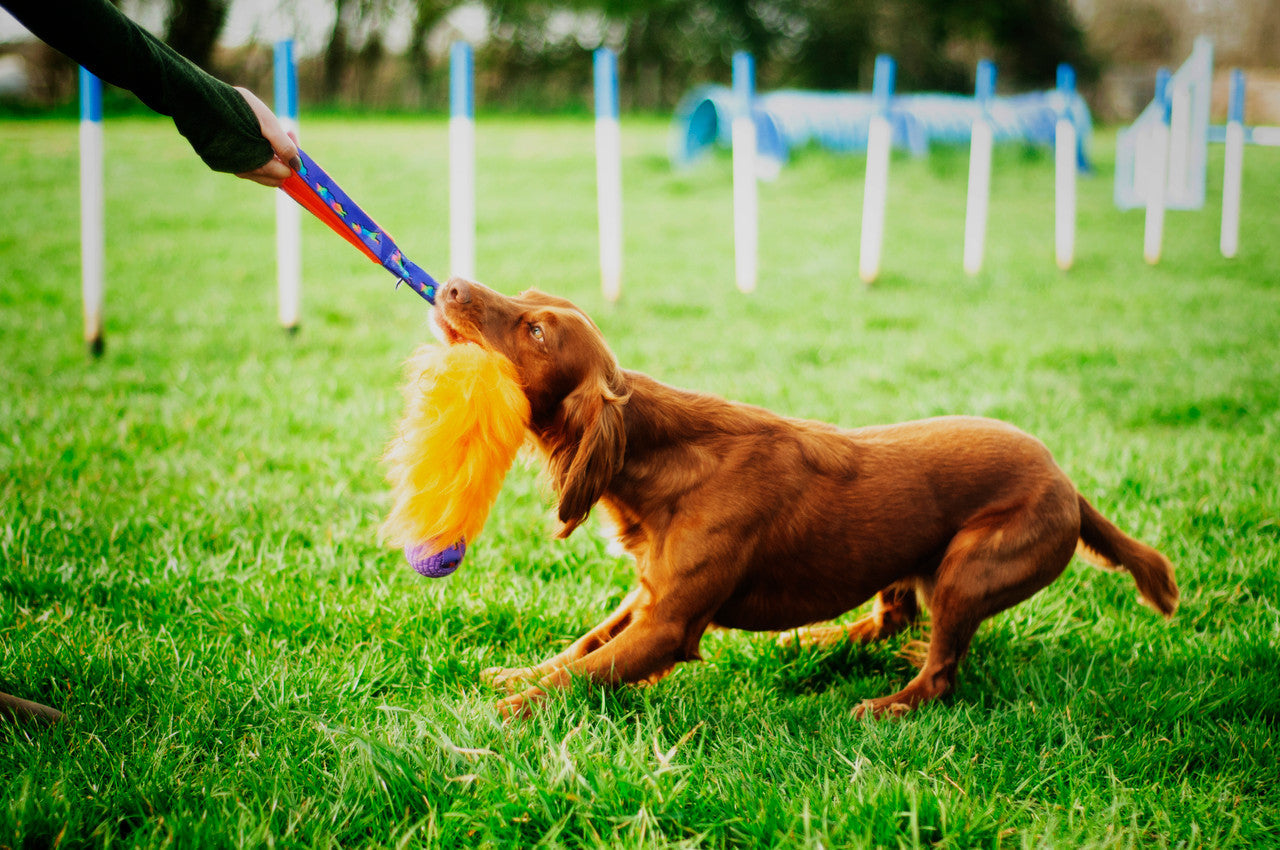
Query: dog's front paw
[507,677]
[883,707]
[520,706]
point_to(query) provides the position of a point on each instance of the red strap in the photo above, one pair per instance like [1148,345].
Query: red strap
[296,187]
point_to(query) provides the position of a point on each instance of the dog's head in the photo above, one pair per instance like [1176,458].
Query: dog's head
[577,394]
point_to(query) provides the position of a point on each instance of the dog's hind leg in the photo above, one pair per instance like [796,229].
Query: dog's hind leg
[989,566]
[894,609]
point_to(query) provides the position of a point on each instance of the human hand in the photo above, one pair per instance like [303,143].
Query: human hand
[274,171]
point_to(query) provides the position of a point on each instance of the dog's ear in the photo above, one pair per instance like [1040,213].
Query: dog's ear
[596,431]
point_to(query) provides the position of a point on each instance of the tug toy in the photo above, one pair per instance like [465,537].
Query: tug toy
[465,412]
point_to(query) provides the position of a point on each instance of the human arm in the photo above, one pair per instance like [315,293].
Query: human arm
[229,128]
[274,171]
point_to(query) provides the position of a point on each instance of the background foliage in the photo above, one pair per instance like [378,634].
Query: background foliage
[535,54]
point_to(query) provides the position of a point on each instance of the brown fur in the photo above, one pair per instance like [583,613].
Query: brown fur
[742,518]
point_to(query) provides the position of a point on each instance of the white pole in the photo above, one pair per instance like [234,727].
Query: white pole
[978,199]
[1229,242]
[608,172]
[1179,137]
[1158,176]
[1064,145]
[92,219]
[875,191]
[746,223]
[462,162]
[288,213]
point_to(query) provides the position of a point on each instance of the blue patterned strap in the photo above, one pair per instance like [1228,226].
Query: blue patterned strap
[376,242]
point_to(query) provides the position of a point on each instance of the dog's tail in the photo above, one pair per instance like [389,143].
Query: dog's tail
[1104,545]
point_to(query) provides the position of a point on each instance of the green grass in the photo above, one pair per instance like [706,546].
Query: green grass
[188,556]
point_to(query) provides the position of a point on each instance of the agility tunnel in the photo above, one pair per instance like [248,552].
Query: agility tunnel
[789,119]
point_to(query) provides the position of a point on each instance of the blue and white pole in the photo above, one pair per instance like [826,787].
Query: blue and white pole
[92,235]
[979,196]
[462,162]
[746,225]
[288,214]
[1065,165]
[876,189]
[1158,173]
[608,172]
[1229,241]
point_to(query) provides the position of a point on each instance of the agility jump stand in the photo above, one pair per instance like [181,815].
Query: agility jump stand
[746,225]
[608,171]
[1162,158]
[288,214]
[1180,123]
[92,218]
[875,190]
[978,199]
[462,161]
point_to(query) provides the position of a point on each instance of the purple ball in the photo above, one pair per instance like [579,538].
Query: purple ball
[432,563]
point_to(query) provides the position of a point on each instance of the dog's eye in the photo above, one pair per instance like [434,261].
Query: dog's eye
[536,332]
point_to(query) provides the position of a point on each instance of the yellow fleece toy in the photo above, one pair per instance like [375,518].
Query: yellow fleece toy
[464,420]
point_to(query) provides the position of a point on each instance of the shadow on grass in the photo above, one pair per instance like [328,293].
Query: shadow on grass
[808,671]
[792,671]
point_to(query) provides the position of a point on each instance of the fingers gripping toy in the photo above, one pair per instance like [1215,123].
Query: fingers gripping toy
[465,413]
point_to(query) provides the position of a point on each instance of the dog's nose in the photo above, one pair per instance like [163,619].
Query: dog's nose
[458,290]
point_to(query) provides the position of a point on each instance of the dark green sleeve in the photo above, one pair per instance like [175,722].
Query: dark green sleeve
[212,115]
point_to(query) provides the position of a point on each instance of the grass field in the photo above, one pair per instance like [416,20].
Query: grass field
[190,567]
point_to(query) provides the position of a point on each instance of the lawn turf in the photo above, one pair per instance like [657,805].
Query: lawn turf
[189,565]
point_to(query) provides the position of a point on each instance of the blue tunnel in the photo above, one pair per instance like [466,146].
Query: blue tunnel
[789,119]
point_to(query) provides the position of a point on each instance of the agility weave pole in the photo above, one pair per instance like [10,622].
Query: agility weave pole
[746,203]
[608,171]
[465,412]
[875,190]
[462,160]
[1065,165]
[92,215]
[288,216]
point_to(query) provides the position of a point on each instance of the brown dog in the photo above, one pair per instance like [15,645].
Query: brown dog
[741,518]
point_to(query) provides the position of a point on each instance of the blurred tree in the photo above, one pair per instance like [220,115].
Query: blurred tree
[836,44]
[666,44]
[193,26]
[1028,38]
[831,44]
[356,35]
[337,50]
[537,51]
[659,44]
[427,15]
[937,42]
